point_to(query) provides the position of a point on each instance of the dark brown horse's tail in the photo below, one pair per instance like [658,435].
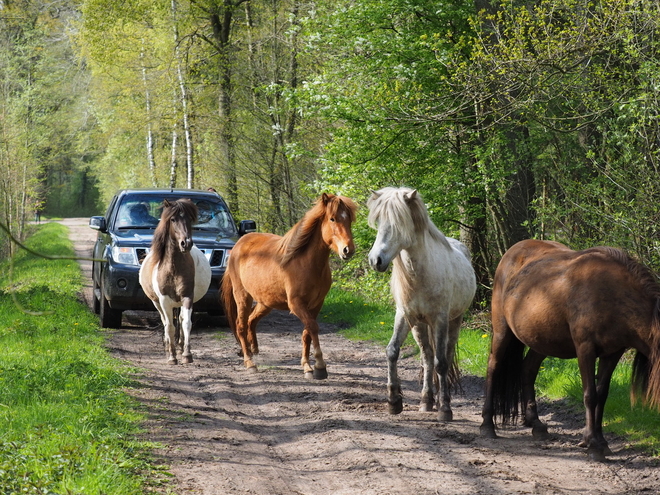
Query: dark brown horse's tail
[507,383]
[645,382]
[228,301]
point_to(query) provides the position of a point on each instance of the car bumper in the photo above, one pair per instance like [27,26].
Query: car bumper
[122,289]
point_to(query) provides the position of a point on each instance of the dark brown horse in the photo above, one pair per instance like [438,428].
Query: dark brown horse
[591,304]
[288,273]
[175,274]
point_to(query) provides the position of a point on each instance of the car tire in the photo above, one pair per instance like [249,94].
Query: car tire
[110,318]
[96,302]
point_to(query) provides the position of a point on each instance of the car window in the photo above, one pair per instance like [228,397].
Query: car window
[213,216]
[143,212]
[139,213]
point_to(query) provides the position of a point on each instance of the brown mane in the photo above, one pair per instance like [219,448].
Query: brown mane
[298,238]
[162,238]
[642,379]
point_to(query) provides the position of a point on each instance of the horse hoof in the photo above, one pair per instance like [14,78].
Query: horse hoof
[396,407]
[309,375]
[487,431]
[425,406]
[187,359]
[252,370]
[445,416]
[320,373]
[596,455]
[540,433]
[172,361]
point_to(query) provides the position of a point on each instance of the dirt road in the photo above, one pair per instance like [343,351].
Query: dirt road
[225,431]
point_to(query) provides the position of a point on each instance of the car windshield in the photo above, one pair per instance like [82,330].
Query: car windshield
[144,213]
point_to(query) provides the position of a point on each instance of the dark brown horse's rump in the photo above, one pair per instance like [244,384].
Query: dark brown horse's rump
[591,304]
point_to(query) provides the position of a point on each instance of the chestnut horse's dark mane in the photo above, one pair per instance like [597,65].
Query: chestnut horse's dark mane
[298,238]
[162,238]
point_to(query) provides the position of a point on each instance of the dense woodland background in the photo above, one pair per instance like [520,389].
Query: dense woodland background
[514,119]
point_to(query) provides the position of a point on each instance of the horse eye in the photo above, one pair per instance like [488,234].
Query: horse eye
[332,219]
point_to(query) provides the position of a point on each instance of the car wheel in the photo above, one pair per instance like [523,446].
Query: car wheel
[110,318]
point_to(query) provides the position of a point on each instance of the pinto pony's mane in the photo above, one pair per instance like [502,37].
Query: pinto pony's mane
[162,238]
[296,240]
[402,209]
[646,371]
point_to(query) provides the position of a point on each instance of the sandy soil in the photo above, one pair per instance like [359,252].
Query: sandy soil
[225,431]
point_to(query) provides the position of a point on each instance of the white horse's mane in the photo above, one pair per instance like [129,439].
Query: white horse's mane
[403,209]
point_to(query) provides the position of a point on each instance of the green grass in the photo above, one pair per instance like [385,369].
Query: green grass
[66,426]
[558,378]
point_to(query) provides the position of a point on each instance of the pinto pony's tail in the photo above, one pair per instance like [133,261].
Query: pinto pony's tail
[228,301]
[507,383]
[645,381]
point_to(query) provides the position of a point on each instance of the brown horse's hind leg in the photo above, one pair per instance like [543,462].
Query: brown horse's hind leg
[243,309]
[258,312]
[530,369]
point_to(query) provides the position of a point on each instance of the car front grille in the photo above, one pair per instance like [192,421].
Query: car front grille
[141,254]
[217,257]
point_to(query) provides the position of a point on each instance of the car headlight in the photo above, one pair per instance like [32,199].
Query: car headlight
[124,255]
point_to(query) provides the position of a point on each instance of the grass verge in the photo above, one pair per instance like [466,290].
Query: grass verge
[558,378]
[66,426]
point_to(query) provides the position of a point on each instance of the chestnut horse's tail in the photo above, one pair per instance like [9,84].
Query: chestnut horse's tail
[645,382]
[228,301]
[507,383]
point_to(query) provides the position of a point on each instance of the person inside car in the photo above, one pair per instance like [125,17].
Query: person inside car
[140,216]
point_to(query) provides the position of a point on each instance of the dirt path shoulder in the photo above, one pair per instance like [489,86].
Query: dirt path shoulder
[225,431]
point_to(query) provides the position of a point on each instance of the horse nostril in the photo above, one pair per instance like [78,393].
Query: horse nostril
[346,250]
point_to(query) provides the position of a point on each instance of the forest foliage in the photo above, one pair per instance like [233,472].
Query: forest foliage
[513,119]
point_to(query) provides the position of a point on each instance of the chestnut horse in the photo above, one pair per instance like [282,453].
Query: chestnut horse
[591,304]
[288,273]
[433,284]
[175,274]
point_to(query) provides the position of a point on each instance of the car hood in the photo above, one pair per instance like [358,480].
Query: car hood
[142,238]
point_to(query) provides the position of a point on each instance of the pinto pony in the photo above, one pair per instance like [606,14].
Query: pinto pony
[591,304]
[288,273]
[175,274]
[433,284]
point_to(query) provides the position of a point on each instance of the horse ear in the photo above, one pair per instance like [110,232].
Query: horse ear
[166,203]
[410,196]
[375,195]
[325,198]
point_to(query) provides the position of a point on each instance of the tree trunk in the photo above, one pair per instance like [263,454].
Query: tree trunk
[190,167]
[150,140]
[221,21]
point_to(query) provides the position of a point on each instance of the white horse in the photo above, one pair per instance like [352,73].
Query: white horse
[433,284]
[175,274]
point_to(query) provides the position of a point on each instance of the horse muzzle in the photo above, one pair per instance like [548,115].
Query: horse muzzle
[186,245]
[378,263]
[347,252]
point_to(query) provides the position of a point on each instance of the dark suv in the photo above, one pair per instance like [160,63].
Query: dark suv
[124,238]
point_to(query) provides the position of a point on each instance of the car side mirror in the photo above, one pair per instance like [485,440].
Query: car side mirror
[97,223]
[246,226]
